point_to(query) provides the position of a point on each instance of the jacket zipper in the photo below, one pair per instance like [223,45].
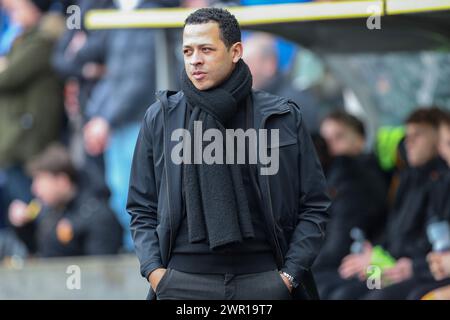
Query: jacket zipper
[167,176]
[266,180]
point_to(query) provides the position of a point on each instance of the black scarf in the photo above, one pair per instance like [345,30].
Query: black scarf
[216,203]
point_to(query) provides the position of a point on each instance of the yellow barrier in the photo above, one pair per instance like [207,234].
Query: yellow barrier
[412,6]
[250,15]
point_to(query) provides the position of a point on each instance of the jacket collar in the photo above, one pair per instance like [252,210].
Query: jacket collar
[265,104]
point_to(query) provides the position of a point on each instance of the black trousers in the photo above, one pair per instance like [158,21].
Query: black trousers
[177,285]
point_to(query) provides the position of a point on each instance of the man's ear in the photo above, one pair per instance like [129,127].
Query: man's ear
[237,50]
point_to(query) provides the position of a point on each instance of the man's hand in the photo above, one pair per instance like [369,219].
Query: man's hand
[400,272]
[93,71]
[17,213]
[439,264]
[96,135]
[438,294]
[78,41]
[356,264]
[155,277]
[286,282]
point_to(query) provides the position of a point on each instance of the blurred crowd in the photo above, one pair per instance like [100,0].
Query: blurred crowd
[388,229]
[71,103]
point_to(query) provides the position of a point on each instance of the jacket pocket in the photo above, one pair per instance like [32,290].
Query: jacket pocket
[163,281]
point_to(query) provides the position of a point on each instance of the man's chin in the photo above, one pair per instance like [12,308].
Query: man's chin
[202,86]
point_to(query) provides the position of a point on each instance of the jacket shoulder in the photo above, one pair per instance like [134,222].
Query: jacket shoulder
[266,101]
[171,98]
[265,97]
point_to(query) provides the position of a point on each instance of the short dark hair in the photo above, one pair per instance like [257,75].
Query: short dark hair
[55,159]
[230,32]
[445,120]
[426,115]
[347,120]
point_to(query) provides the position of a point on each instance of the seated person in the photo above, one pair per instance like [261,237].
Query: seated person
[438,265]
[66,221]
[405,239]
[358,191]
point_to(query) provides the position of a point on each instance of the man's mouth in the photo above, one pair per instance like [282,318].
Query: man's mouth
[198,75]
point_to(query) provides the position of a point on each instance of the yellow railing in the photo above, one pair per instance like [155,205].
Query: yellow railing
[265,14]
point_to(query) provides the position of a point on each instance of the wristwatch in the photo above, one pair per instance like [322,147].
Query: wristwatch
[291,279]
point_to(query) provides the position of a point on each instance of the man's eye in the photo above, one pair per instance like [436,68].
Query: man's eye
[206,49]
[186,52]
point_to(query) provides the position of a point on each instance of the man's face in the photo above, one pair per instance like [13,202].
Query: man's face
[24,13]
[341,140]
[261,58]
[444,143]
[421,143]
[50,188]
[207,60]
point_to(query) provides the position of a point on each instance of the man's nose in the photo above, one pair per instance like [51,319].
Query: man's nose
[196,59]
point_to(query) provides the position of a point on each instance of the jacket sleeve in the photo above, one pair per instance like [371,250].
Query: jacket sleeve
[26,64]
[136,83]
[314,204]
[65,67]
[142,201]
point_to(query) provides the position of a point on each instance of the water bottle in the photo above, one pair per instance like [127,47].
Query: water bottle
[359,239]
[438,233]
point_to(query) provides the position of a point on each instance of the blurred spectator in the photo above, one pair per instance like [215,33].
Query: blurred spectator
[79,56]
[11,247]
[30,94]
[439,207]
[323,151]
[79,60]
[9,30]
[67,221]
[436,273]
[117,106]
[261,56]
[404,240]
[286,50]
[358,194]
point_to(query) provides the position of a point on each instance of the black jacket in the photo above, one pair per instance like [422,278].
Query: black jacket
[281,85]
[439,199]
[358,192]
[405,231]
[294,200]
[438,209]
[96,230]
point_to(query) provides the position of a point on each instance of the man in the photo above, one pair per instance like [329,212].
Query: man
[262,57]
[8,29]
[404,242]
[439,207]
[118,102]
[66,220]
[78,60]
[224,231]
[358,192]
[436,273]
[344,134]
[30,95]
